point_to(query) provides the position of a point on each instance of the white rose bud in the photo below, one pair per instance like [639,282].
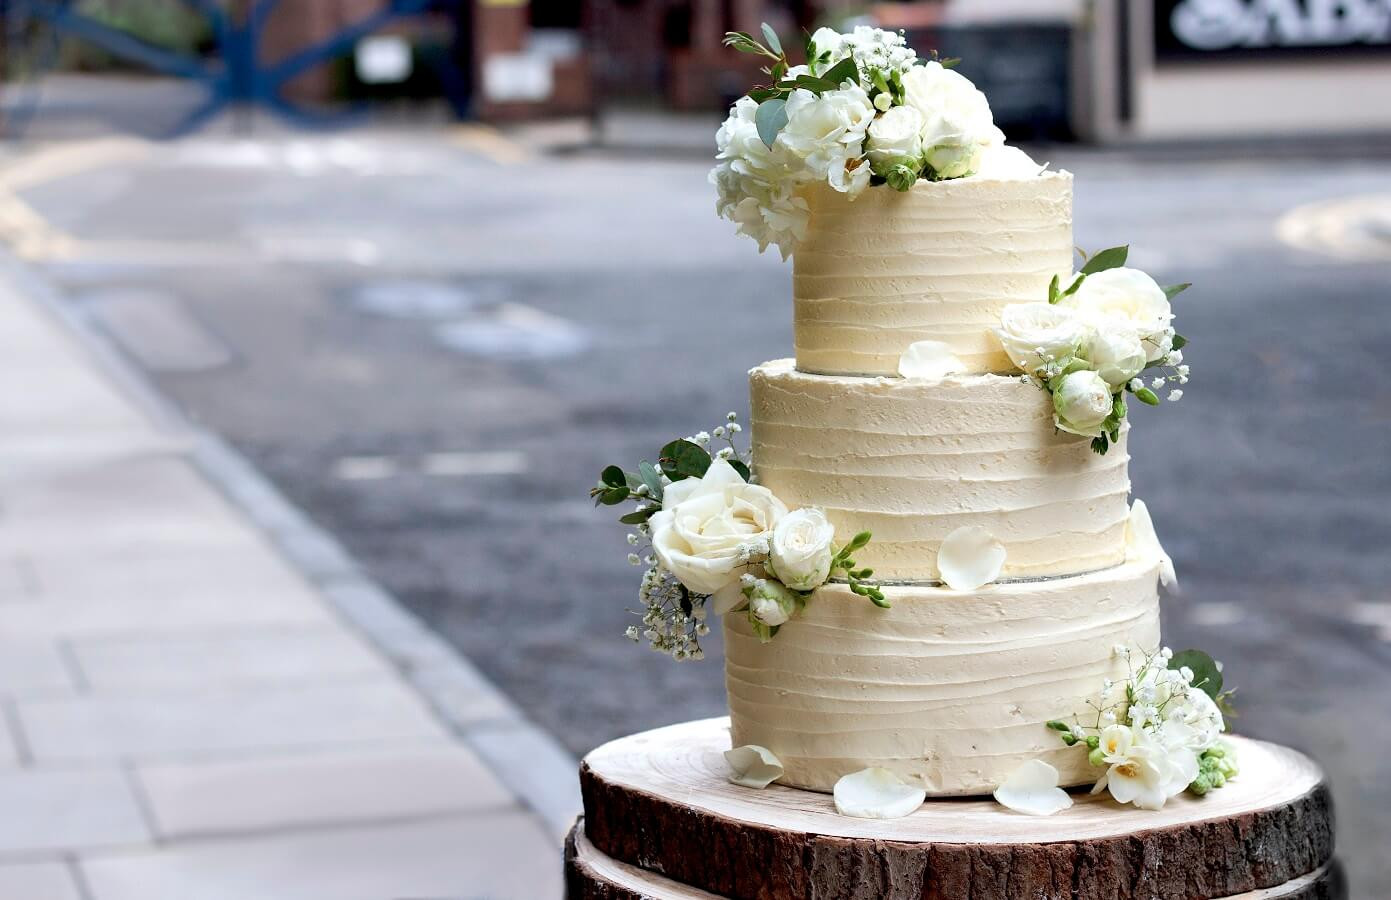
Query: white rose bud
[1026,328]
[894,139]
[770,602]
[1081,403]
[800,552]
[1117,354]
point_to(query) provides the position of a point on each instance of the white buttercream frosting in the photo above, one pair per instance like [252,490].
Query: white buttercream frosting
[948,688]
[936,263]
[913,460]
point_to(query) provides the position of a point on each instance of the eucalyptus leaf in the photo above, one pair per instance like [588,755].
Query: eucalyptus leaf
[614,495]
[770,119]
[683,459]
[1110,258]
[743,470]
[845,70]
[648,473]
[1173,290]
[772,37]
[638,516]
[613,477]
[1180,342]
[1206,676]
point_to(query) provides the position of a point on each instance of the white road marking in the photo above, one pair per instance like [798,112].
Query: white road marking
[455,464]
[1216,615]
[366,468]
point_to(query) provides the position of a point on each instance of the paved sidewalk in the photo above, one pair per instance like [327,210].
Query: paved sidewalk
[188,715]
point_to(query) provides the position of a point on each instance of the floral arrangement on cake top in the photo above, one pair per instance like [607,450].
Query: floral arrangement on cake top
[1154,735]
[1093,342]
[864,109]
[709,534]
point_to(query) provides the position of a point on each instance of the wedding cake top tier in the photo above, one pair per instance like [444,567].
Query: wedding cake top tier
[938,262]
[913,461]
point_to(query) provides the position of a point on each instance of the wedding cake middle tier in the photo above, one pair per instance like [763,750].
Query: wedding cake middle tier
[912,460]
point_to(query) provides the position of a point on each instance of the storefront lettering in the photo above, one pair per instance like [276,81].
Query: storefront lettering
[1232,24]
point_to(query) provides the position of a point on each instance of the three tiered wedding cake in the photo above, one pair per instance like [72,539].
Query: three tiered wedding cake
[931,578]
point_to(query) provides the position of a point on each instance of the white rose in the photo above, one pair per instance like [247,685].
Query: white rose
[957,123]
[895,137]
[709,527]
[1007,164]
[1131,297]
[1081,403]
[770,602]
[1026,328]
[800,552]
[824,131]
[1117,355]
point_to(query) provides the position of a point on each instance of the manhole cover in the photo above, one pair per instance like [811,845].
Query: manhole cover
[1352,228]
[415,299]
[514,331]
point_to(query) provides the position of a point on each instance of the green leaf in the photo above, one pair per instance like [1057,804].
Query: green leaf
[743,470]
[759,94]
[742,41]
[1174,290]
[778,71]
[683,459]
[1110,258]
[648,473]
[1145,395]
[845,70]
[1180,342]
[1100,445]
[950,62]
[614,495]
[637,517]
[613,477]
[1076,283]
[1053,293]
[1206,676]
[770,119]
[771,37]
[1057,725]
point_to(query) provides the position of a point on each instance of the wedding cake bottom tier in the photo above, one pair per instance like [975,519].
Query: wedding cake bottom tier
[948,688]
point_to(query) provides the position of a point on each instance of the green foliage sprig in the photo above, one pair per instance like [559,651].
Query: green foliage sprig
[855,578]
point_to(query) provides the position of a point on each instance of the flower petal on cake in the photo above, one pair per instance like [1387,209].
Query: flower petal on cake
[753,766]
[876,793]
[969,557]
[1033,789]
[930,360]
[1142,543]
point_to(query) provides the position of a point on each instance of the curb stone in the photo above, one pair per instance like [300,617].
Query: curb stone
[525,758]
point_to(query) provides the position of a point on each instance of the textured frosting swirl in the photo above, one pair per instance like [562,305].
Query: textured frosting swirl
[913,460]
[952,688]
[938,262]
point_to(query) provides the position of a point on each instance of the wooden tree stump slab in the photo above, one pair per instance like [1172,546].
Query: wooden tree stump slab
[660,801]
[590,875]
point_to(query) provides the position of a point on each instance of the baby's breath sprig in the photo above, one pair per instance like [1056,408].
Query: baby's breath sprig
[855,578]
[673,617]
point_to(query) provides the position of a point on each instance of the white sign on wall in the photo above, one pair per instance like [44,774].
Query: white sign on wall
[1194,27]
[518,78]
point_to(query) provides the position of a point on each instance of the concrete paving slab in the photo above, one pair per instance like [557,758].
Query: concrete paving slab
[103,728]
[408,781]
[263,657]
[38,881]
[491,857]
[64,810]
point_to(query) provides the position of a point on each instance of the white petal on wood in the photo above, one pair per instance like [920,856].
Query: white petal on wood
[753,766]
[876,793]
[1033,789]
[970,557]
[929,360]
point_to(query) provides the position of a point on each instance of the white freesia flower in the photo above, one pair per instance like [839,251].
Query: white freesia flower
[1082,403]
[827,132]
[1027,328]
[876,793]
[1141,542]
[970,557]
[895,138]
[753,766]
[957,124]
[800,552]
[710,527]
[1127,298]
[1033,789]
[1142,775]
[1006,163]
[770,602]
[929,360]
[1117,355]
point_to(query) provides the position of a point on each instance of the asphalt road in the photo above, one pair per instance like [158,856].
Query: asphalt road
[434,342]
